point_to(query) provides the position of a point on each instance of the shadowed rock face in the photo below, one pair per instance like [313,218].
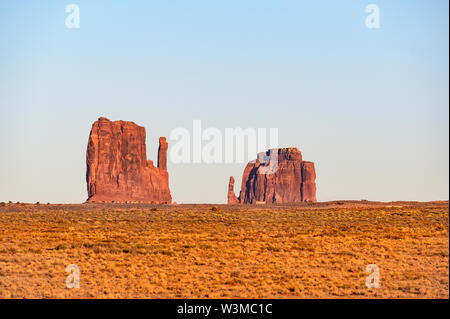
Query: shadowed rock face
[277,176]
[117,165]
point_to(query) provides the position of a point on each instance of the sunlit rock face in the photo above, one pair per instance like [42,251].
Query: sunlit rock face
[277,176]
[117,165]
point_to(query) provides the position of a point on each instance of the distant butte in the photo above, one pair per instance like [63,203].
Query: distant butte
[117,165]
[277,176]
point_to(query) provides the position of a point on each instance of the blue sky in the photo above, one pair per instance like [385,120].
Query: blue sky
[369,106]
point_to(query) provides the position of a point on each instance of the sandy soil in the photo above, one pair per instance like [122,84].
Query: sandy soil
[218,251]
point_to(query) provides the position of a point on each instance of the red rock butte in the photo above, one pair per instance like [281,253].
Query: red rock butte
[117,165]
[277,176]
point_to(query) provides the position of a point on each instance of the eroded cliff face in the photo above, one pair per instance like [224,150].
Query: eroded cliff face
[117,165]
[277,176]
[308,182]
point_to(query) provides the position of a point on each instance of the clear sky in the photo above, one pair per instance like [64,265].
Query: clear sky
[369,106]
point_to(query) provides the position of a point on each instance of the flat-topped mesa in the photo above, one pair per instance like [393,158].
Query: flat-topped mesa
[278,176]
[117,165]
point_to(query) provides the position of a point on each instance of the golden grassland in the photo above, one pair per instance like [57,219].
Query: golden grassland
[206,251]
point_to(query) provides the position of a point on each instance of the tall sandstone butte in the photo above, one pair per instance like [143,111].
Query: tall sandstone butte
[117,165]
[277,176]
[232,199]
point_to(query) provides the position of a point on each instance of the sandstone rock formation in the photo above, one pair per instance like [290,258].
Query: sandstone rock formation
[308,182]
[232,199]
[277,176]
[162,154]
[117,165]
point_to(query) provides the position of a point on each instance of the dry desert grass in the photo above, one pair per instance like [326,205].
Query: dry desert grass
[205,251]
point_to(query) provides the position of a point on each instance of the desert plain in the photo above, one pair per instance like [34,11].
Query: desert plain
[307,250]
